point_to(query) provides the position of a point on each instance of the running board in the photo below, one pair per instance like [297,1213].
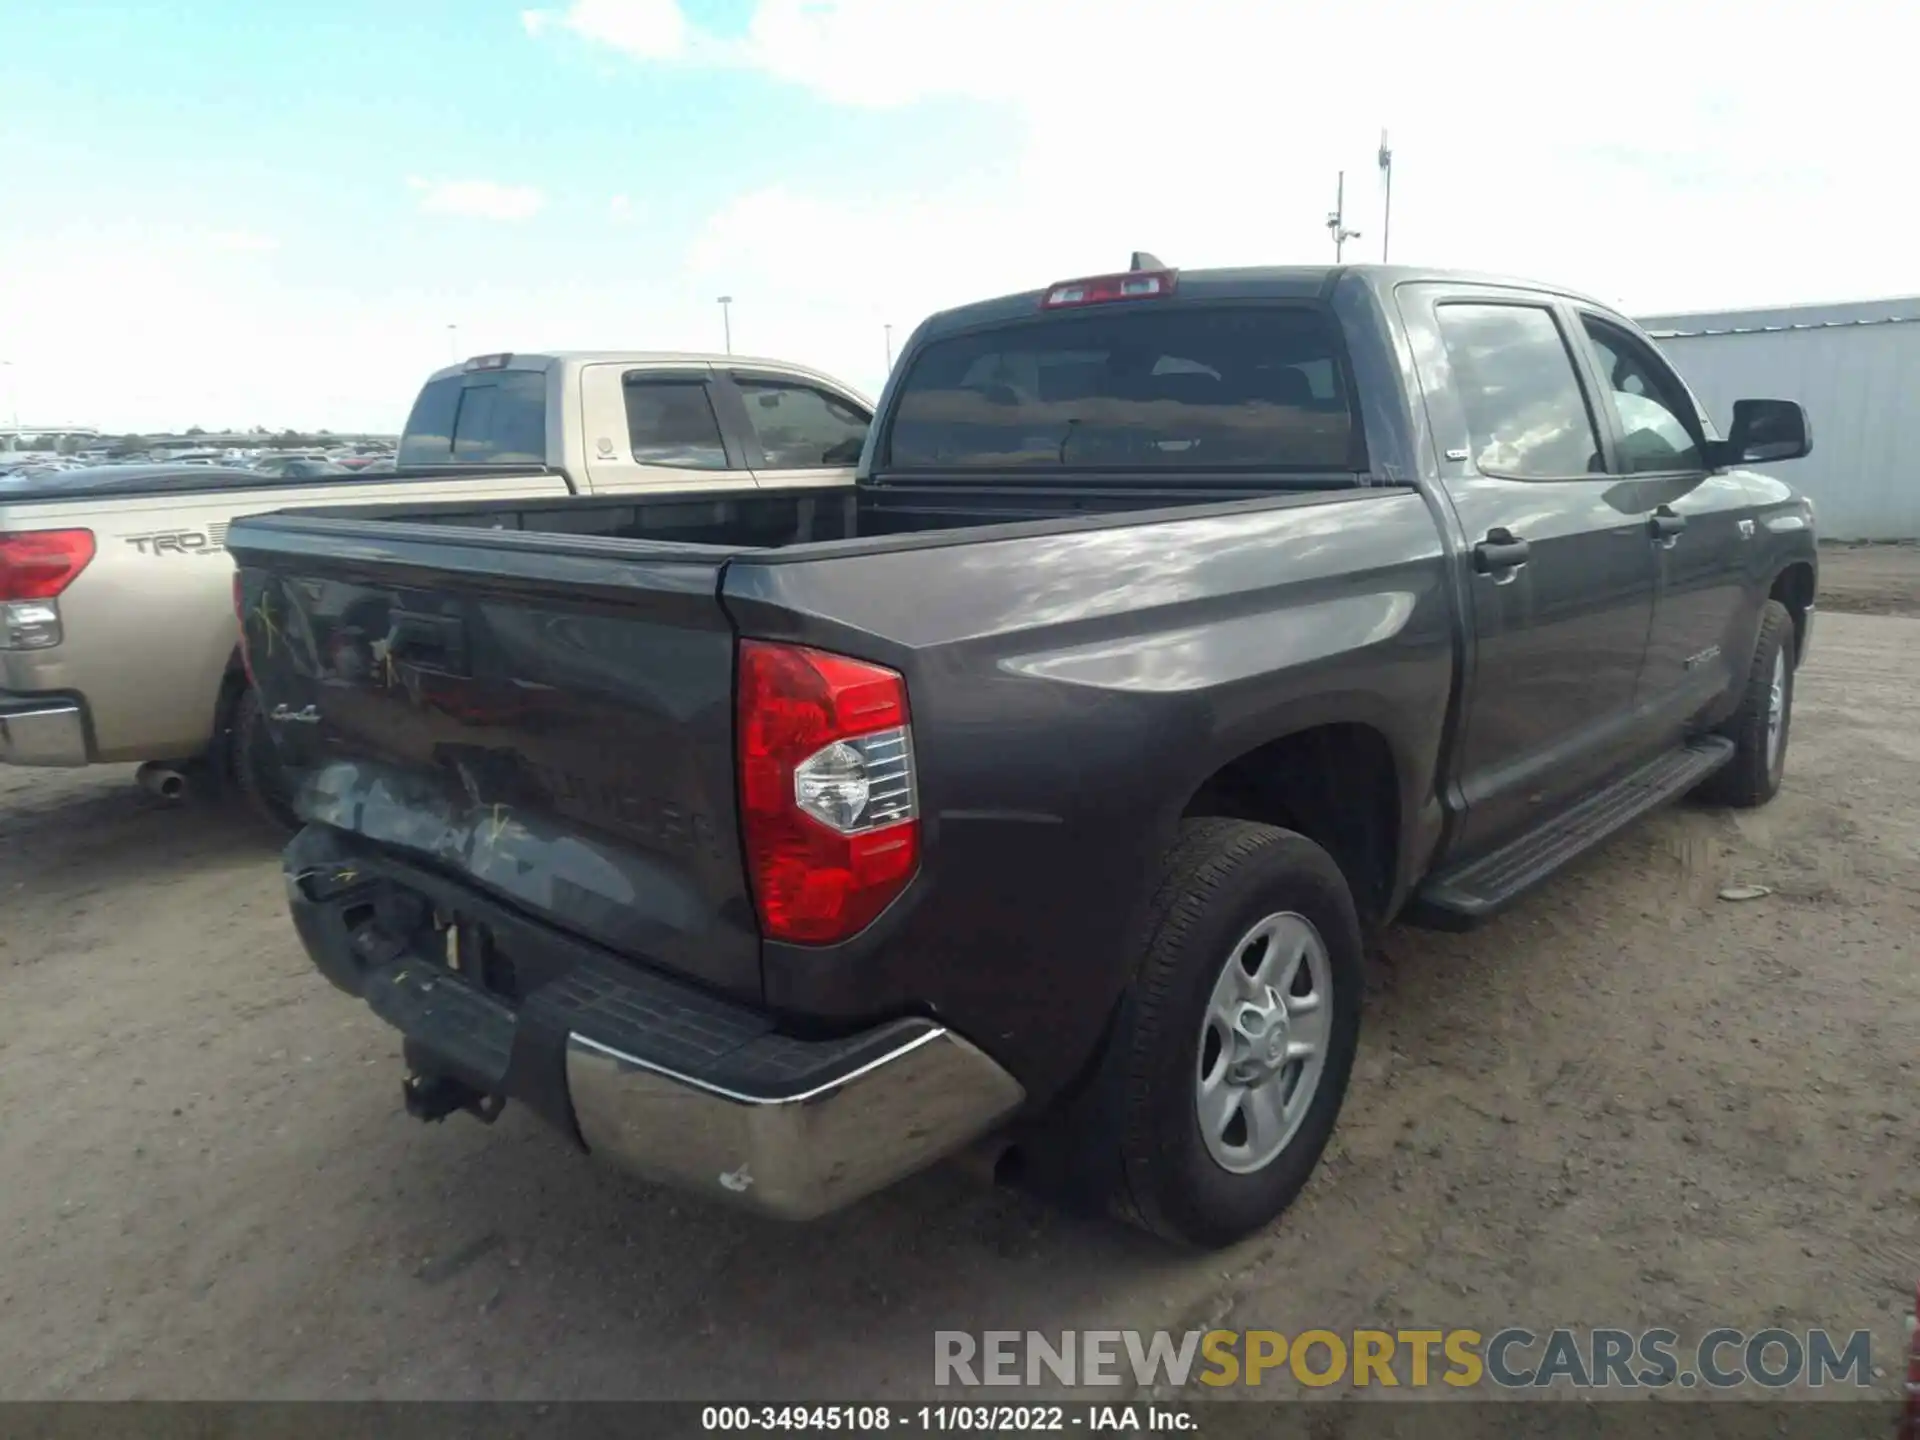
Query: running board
[1457,898]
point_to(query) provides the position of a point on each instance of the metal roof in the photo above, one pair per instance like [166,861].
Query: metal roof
[1898,310]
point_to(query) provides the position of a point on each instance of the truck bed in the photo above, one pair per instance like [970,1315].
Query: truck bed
[779,520]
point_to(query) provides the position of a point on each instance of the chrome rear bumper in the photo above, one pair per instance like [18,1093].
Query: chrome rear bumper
[652,1074]
[795,1155]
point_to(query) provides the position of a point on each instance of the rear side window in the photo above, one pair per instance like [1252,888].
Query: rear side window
[496,419]
[671,422]
[502,420]
[428,438]
[1249,387]
[1525,412]
[800,427]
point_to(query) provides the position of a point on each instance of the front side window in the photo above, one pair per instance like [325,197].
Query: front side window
[1525,412]
[671,422]
[802,428]
[1649,402]
[1132,387]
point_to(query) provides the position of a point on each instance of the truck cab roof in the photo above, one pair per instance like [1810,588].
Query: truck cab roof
[1276,282]
[573,359]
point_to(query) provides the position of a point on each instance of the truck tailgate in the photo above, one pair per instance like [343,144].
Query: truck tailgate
[554,726]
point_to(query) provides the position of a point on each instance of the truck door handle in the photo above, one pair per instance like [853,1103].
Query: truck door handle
[429,642]
[1665,526]
[1501,550]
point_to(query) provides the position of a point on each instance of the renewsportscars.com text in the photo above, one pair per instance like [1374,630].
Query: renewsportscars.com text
[1512,1358]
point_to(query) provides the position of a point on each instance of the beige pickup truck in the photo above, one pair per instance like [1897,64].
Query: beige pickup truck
[117,631]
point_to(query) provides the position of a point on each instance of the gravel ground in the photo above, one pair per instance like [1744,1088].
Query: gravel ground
[1625,1102]
[1871,579]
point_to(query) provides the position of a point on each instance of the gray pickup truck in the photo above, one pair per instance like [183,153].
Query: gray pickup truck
[1040,789]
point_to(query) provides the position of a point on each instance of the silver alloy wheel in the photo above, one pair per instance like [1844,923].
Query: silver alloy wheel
[1263,1042]
[1776,707]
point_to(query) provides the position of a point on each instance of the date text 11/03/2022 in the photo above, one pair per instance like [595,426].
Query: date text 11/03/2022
[991,1419]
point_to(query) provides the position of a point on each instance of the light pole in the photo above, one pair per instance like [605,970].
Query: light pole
[453,343]
[13,404]
[889,330]
[1386,179]
[726,320]
[1337,221]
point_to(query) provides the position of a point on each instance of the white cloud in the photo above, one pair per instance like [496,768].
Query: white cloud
[645,29]
[477,199]
[1662,157]
[245,242]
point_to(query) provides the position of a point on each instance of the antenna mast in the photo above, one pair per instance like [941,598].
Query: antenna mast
[1337,220]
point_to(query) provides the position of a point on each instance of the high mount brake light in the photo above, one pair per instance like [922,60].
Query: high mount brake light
[828,808]
[1101,289]
[489,362]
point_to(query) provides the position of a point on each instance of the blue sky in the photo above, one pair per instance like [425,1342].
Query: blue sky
[223,213]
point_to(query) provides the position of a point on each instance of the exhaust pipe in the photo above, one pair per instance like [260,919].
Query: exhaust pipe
[162,780]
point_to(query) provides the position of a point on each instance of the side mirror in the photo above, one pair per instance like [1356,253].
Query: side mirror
[1765,430]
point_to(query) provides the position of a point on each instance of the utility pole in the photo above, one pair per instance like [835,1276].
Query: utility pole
[453,343]
[889,330]
[1386,180]
[1337,221]
[726,320]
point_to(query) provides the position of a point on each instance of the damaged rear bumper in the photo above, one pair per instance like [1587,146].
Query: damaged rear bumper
[664,1080]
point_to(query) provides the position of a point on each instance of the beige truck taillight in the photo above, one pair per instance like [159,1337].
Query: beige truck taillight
[828,808]
[35,567]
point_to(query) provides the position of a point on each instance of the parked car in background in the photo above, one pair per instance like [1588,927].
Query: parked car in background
[1180,628]
[121,642]
[297,467]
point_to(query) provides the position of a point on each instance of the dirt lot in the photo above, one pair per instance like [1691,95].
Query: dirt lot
[1870,579]
[1626,1102]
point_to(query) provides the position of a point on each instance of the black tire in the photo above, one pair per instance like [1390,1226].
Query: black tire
[1221,877]
[258,776]
[1752,777]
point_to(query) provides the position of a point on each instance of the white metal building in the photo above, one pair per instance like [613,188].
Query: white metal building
[1856,369]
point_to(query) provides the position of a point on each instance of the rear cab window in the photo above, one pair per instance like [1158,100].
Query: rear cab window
[1251,386]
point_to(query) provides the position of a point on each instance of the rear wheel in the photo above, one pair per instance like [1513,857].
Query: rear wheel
[1234,1046]
[258,775]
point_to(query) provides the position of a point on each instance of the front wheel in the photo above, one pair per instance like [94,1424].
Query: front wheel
[1759,728]
[1235,1044]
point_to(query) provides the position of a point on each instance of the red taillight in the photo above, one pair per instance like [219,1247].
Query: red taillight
[827,803]
[39,564]
[1099,289]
